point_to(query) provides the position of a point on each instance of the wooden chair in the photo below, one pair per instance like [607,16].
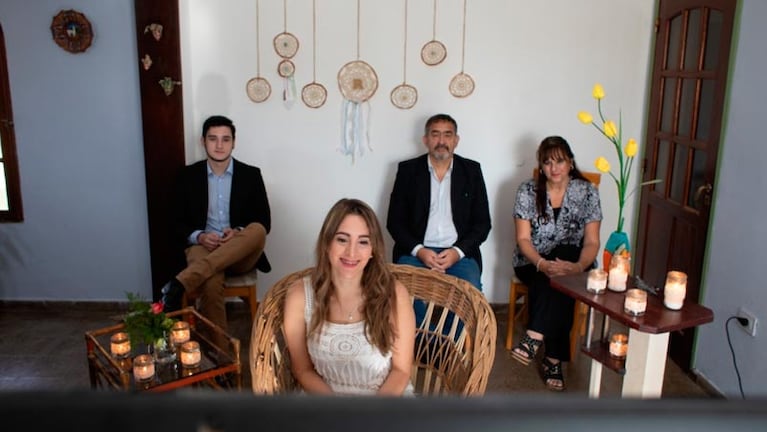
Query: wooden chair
[243,286]
[443,363]
[518,294]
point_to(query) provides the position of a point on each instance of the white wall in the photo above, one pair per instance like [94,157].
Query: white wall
[78,136]
[533,69]
[738,232]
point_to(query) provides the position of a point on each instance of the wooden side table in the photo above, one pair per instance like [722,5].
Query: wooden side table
[645,362]
[220,360]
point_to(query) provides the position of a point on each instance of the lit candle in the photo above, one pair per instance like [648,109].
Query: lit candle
[190,354]
[619,273]
[119,345]
[636,302]
[596,281]
[675,289]
[619,345]
[179,333]
[143,367]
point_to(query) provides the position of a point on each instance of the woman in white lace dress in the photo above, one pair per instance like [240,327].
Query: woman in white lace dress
[349,326]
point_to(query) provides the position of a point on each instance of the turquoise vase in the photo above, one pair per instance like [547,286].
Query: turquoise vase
[617,243]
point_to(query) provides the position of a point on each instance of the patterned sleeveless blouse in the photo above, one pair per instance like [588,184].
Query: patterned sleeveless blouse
[344,357]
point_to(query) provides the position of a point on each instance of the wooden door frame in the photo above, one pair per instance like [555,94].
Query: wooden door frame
[681,346]
[163,128]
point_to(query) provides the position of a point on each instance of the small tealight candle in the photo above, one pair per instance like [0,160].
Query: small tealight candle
[596,281]
[619,273]
[119,345]
[179,333]
[190,354]
[619,345]
[636,302]
[143,367]
[675,289]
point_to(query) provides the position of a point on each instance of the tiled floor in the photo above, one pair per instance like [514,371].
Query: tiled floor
[42,348]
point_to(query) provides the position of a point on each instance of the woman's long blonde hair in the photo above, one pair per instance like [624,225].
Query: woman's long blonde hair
[377,281]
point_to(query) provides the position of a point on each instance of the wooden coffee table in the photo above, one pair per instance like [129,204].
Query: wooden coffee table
[219,367]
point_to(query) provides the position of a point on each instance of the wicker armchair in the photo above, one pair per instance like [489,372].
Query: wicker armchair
[443,363]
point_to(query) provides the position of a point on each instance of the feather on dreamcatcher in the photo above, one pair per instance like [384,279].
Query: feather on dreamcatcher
[357,82]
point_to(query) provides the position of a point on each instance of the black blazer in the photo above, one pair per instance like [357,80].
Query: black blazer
[248,202]
[409,206]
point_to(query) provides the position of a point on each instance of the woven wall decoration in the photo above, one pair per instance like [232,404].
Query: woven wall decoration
[404,96]
[434,51]
[357,82]
[286,46]
[462,84]
[258,88]
[314,93]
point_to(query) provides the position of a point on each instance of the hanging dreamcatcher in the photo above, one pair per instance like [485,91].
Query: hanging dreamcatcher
[358,82]
[434,51]
[404,96]
[258,88]
[286,46]
[462,84]
[314,93]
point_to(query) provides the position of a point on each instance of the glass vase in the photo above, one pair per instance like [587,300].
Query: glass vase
[162,350]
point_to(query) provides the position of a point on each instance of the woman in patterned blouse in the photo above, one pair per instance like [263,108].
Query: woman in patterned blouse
[557,218]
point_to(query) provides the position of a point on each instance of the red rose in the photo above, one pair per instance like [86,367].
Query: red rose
[157,307]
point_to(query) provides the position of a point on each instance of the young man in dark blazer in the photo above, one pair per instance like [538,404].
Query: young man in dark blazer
[438,211]
[221,218]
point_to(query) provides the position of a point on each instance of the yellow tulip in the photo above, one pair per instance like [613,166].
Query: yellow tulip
[610,129]
[631,148]
[585,117]
[598,92]
[602,164]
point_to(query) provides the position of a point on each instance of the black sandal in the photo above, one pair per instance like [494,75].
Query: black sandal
[552,375]
[525,350]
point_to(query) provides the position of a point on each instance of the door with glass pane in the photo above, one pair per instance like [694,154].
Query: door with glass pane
[683,130]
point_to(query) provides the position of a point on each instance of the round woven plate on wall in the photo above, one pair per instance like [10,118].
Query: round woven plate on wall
[433,53]
[314,95]
[258,89]
[461,85]
[357,81]
[404,96]
[286,45]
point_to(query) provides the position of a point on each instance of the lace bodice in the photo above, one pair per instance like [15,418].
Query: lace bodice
[344,357]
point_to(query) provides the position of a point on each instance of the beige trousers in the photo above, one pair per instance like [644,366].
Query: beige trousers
[204,275]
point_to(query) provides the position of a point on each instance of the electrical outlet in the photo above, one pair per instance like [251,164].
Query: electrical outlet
[750,328]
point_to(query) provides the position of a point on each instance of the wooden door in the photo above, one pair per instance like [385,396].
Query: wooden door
[162,118]
[689,78]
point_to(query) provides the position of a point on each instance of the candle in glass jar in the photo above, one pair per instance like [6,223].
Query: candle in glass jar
[143,367]
[180,332]
[619,345]
[675,289]
[635,302]
[618,274]
[190,354]
[119,345]
[596,281]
